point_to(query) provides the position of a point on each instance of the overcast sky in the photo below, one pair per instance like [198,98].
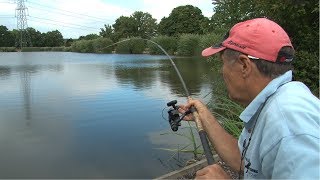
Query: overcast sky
[74,18]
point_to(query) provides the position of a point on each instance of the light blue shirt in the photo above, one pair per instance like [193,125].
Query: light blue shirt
[285,141]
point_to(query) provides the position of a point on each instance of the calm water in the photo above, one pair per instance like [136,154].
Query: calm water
[70,115]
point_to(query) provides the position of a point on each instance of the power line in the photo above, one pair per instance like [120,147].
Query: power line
[63,22]
[6,2]
[7,17]
[60,13]
[58,24]
[79,14]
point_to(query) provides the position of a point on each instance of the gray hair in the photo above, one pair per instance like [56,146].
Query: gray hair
[266,68]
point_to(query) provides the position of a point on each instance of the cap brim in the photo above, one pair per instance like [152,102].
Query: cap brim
[211,51]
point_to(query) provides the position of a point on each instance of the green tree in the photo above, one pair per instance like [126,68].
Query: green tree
[145,25]
[7,38]
[228,12]
[89,37]
[68,42]
[124,27]
[107,31]
[53,39]
[183,19]
[37,39]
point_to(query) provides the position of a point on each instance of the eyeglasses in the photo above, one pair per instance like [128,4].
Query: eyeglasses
[252,57]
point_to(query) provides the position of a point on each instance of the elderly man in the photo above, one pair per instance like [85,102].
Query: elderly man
[280,138]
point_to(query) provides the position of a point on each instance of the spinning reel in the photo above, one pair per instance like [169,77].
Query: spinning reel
[174,115]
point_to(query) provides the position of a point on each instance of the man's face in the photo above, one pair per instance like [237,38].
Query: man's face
[232,76]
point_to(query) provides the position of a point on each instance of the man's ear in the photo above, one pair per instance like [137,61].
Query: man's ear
[246,65]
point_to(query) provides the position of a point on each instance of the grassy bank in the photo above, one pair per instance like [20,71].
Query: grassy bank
[8,49]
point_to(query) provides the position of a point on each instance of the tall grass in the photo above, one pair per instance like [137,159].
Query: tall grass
[169,44]
[188,45]
[227,112]
[192,144]
[41,49]
[99,45]
[8,49]
[135,45]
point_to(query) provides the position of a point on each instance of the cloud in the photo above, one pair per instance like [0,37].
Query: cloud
[75,18]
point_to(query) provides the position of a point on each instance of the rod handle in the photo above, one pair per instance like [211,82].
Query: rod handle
[206,147]
[203,135]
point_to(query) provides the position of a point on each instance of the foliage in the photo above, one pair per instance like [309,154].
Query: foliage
[169,44]
[183,19]
[83,46]
[6,37]
[227,112]
[124,27]
[188,45]
[34,38]
[193,144]
[38,49]
[99,45]
[131,46]
[139,24]
[107,31]
[8,49]
[89,37]
[299,18]
[228,12]
[68,42]
[145,25]
[37,39]
[208,40]
[307,69]
[53,39]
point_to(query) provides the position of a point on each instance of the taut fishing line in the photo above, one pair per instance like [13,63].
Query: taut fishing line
[174,116]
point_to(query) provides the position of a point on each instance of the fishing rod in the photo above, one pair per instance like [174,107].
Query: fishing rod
[174,115]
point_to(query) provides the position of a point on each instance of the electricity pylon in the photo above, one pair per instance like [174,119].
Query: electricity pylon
[22,24]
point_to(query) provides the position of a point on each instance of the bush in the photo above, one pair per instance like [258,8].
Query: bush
[83,46]
[31,49]
[123,47]
[306,70]
[188,45]
[134,45]
[57,49]
[209,40]
[169,44]
[100,45]
[67,49]
[138,45]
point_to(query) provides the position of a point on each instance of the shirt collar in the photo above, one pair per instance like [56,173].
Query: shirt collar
[271,88]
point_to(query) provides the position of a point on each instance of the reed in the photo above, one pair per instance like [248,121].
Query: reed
[8,49]
[168,43]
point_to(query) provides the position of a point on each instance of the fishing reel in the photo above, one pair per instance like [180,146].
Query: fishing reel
[174,115]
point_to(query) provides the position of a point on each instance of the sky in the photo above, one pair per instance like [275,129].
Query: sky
[74,18]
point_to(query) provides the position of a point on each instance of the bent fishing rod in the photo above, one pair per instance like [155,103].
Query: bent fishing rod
[174,115]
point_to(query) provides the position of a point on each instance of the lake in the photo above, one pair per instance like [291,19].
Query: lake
[72,115]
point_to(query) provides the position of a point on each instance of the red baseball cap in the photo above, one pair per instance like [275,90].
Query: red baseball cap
[259,38]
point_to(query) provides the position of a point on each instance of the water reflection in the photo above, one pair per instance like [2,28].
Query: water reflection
[70,115]
[5,72]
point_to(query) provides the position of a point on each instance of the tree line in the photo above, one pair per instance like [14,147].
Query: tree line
[300,18]
[183,19]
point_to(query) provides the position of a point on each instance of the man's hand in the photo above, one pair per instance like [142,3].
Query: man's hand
[212,172]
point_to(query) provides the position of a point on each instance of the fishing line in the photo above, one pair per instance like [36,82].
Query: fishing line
[174,109]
